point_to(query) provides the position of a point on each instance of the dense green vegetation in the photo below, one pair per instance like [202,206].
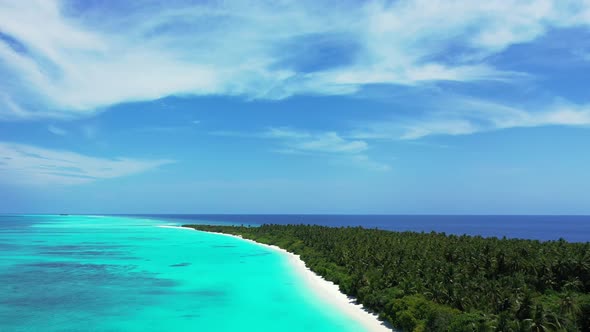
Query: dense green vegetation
[438,282]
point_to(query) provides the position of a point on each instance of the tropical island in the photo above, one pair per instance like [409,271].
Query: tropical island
[439,282]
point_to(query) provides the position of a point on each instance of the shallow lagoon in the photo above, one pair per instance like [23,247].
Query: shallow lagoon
[93,273]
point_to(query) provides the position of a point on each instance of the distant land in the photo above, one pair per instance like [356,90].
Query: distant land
[573,228]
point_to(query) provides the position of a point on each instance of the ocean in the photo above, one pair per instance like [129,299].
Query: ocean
[123,273]
[112,273]
[544,228]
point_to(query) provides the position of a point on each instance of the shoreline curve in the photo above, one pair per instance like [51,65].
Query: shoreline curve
[326,290]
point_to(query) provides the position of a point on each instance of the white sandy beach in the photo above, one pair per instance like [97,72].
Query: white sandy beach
[327,290]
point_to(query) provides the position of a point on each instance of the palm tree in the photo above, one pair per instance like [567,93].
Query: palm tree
[543,320]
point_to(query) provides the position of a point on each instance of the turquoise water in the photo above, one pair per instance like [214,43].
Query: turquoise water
[91,273]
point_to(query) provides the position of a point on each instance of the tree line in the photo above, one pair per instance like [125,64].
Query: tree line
[439,282]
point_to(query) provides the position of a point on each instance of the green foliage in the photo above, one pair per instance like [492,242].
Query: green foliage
[438,282]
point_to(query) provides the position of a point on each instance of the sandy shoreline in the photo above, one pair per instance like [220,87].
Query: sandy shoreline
[327,290]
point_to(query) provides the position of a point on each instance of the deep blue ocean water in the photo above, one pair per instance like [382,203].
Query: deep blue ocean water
[570,228]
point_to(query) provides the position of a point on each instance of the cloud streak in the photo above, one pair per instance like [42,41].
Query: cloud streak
[57,130]
[325,142]
[463,116]
[30,165]
[86,57]
[330,144]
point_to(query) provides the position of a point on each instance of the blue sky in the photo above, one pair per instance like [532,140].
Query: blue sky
[452,107]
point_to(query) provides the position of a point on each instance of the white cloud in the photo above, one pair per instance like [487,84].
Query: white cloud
[323,142]
[364,161]
[331,142]
[434,127]
[78,63]
[57,130]
[328,144]
[462,116]
[29,165]
[286,133]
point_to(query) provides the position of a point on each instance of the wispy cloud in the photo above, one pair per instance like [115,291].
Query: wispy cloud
[364,161]
[90,56]
[90,131]
[31,165]
[326,142]
[462,116]
[329,144]
[57,130]
[582,54]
